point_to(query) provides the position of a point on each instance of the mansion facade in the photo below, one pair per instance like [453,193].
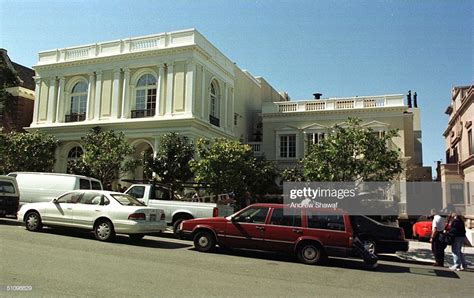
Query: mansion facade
[179,82]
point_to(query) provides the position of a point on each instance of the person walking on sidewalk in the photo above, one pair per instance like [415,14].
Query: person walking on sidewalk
[458,232]
[437,246]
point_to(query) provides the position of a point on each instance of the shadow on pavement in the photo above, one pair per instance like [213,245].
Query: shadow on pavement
[345,263]
[119,239]
[10,221]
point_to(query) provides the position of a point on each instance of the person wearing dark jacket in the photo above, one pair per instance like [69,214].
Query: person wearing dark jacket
[458,233]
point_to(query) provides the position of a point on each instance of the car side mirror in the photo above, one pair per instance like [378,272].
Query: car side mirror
[55,201]
[248,219]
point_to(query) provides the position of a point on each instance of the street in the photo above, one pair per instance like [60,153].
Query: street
[70,263]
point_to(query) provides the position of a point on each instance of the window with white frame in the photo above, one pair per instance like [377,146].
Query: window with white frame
[145,97]
[214,104]
[314,138]
[77,109]
[288,146]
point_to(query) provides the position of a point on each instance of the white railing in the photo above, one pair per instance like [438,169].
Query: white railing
[76,53]
[137,45]
[366,102]
[256,148]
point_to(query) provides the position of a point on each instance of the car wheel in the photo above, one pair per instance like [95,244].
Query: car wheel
[104,230]
[33,222]
[310,253]
[136,237]
[370,246]
[204,241]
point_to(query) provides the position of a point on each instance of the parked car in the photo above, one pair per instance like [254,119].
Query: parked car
[43,187]
[422,228]
[379,238]
[104,212]
[176,211]
[9,196]
[311,234]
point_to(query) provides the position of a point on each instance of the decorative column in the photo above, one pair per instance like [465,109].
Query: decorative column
[126,93]
[98,95]
[189,95]
[51,101]
[169,90]
[37,99]
[115,94]
[60,100]
[204,98]
[158,91]
[226,107]
[90,86]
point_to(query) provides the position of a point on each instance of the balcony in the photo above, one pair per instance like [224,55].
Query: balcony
[366,102]
[75,117]
[143,113]
[256,148]
[214,120]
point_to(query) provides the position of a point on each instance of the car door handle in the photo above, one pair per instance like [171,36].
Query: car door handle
[298,231]
[260,228]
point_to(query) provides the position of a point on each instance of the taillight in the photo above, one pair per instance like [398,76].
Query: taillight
[215,212]
[137,216]
[162,217]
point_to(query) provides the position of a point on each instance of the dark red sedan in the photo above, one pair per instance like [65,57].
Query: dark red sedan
[309,233]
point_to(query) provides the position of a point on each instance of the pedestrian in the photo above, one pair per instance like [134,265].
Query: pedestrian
[437,246]
[458,233]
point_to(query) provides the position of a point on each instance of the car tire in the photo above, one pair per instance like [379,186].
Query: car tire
[33,221]
[310,253]
[104,230]
[136,237]
[204,241]
[370,245]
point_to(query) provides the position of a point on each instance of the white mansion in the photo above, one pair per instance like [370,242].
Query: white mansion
[179,82]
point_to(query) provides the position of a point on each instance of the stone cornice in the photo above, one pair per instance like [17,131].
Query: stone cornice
[400,109]
[21,92]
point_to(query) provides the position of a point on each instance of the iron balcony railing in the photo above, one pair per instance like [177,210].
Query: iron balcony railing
[75,117]
[213,120]
[143,113]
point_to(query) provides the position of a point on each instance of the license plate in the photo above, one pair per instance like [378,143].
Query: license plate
[152,217]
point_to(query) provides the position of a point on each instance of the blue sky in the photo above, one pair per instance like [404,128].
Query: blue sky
[338,48]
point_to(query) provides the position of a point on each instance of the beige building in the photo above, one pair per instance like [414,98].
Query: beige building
[457,174]
[145,87]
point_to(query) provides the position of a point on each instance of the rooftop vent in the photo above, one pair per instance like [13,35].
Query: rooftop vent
[317,95]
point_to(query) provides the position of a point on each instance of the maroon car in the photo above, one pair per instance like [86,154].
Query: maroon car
[312,234]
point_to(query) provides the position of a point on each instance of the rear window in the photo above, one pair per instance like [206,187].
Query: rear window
[84,184]
[127,200]
[291,218]
[96,185]
[326,222]
[7,187]
[137,191]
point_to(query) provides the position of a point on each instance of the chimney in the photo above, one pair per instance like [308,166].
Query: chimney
[317,95]
[415,101]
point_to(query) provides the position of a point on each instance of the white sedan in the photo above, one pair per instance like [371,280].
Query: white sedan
[104,212]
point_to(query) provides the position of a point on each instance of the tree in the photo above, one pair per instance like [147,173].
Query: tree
[106,155]
[171,163]
[352,153]
[22,151]
[8,78]
[229,166]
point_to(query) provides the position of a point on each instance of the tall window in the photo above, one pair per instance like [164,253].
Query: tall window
[214,104]
[314,138]
[288,146]
[77,110]
[470,142]
[145,97]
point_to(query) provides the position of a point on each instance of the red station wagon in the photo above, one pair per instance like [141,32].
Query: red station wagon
[310,233]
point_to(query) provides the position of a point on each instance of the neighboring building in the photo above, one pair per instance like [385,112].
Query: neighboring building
[18,112]
[145,87]
[457,174]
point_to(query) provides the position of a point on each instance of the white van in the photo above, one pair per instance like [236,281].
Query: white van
[9,196]
[43,187]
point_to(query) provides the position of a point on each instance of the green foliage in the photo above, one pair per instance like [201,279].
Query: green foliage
[352,153]
[105,156]
[171,163]
[229,166]
[21,151]
[7,79]
[293,174]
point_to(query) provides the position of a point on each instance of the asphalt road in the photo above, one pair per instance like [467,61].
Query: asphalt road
[68,263]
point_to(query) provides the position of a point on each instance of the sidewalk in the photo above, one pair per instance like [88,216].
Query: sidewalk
[421,252]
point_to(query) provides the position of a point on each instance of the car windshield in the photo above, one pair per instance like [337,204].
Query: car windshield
[127,200]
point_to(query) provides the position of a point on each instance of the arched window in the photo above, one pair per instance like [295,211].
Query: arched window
[75,153]
[145,97]
[214,104]
[78,107]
